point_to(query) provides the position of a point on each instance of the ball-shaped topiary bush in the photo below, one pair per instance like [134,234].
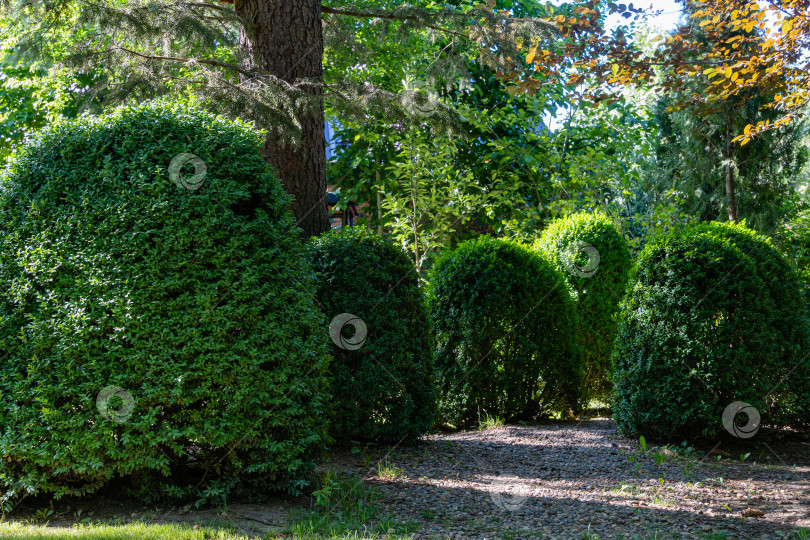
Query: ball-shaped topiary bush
[594,258]
[155,319]
[712,316]
[505,326]
[382,370]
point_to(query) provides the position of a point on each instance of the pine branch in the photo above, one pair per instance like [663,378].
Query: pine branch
[388,16]
[138,49]
[188,61]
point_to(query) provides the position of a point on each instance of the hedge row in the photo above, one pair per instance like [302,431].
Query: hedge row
[169,324]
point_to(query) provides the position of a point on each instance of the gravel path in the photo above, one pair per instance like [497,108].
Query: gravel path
[562,480]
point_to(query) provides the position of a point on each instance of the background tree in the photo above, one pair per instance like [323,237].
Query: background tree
[768,53]
[718,178]
[757,47]
[699,69]
[712,117]
[528,158]
[444,188]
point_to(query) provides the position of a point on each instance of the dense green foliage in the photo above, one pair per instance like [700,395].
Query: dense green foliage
[693,153]
[712,315]
[382,389]
[697,156]
[33,93]
[436,190]
[794,240]
[509,175]
[448,131]
[191,302]
[596,280]
[505,327]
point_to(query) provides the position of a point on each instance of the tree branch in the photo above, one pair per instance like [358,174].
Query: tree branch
[387,16]
[187,60]
[214,7]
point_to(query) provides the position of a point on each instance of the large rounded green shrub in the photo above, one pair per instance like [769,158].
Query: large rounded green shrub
[712,316]
[150,329]
[505,326]
[593,257]
[382,372]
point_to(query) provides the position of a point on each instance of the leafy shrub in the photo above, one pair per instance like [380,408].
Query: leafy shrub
[597,281]
[187,307]
[712,316]
[506,333]
[382,388]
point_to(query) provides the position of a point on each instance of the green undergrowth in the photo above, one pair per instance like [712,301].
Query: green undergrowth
[343,506]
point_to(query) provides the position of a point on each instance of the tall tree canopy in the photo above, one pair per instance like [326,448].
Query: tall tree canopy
[759,47]
[263,60]
[701,122]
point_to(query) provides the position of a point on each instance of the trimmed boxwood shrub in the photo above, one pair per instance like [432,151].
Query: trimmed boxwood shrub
[505,327]
[382,372]
[712,316]
[186,307]
[597,281]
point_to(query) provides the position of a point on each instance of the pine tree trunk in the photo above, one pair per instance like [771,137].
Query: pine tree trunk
[286,37]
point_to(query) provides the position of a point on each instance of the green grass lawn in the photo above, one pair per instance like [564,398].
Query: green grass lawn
[146,531]
[345,509]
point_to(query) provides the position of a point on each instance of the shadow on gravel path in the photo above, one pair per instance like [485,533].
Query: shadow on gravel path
[560,480]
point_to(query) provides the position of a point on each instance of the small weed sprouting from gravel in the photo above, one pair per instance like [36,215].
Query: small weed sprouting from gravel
[588,535]
[489,422]
[392,528]
[344,493]
[390,471]
[510,533]
[661,501]
[716,536]
[630,489]
[660,495]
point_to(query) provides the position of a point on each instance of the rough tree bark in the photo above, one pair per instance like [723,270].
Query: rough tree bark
[286,37]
